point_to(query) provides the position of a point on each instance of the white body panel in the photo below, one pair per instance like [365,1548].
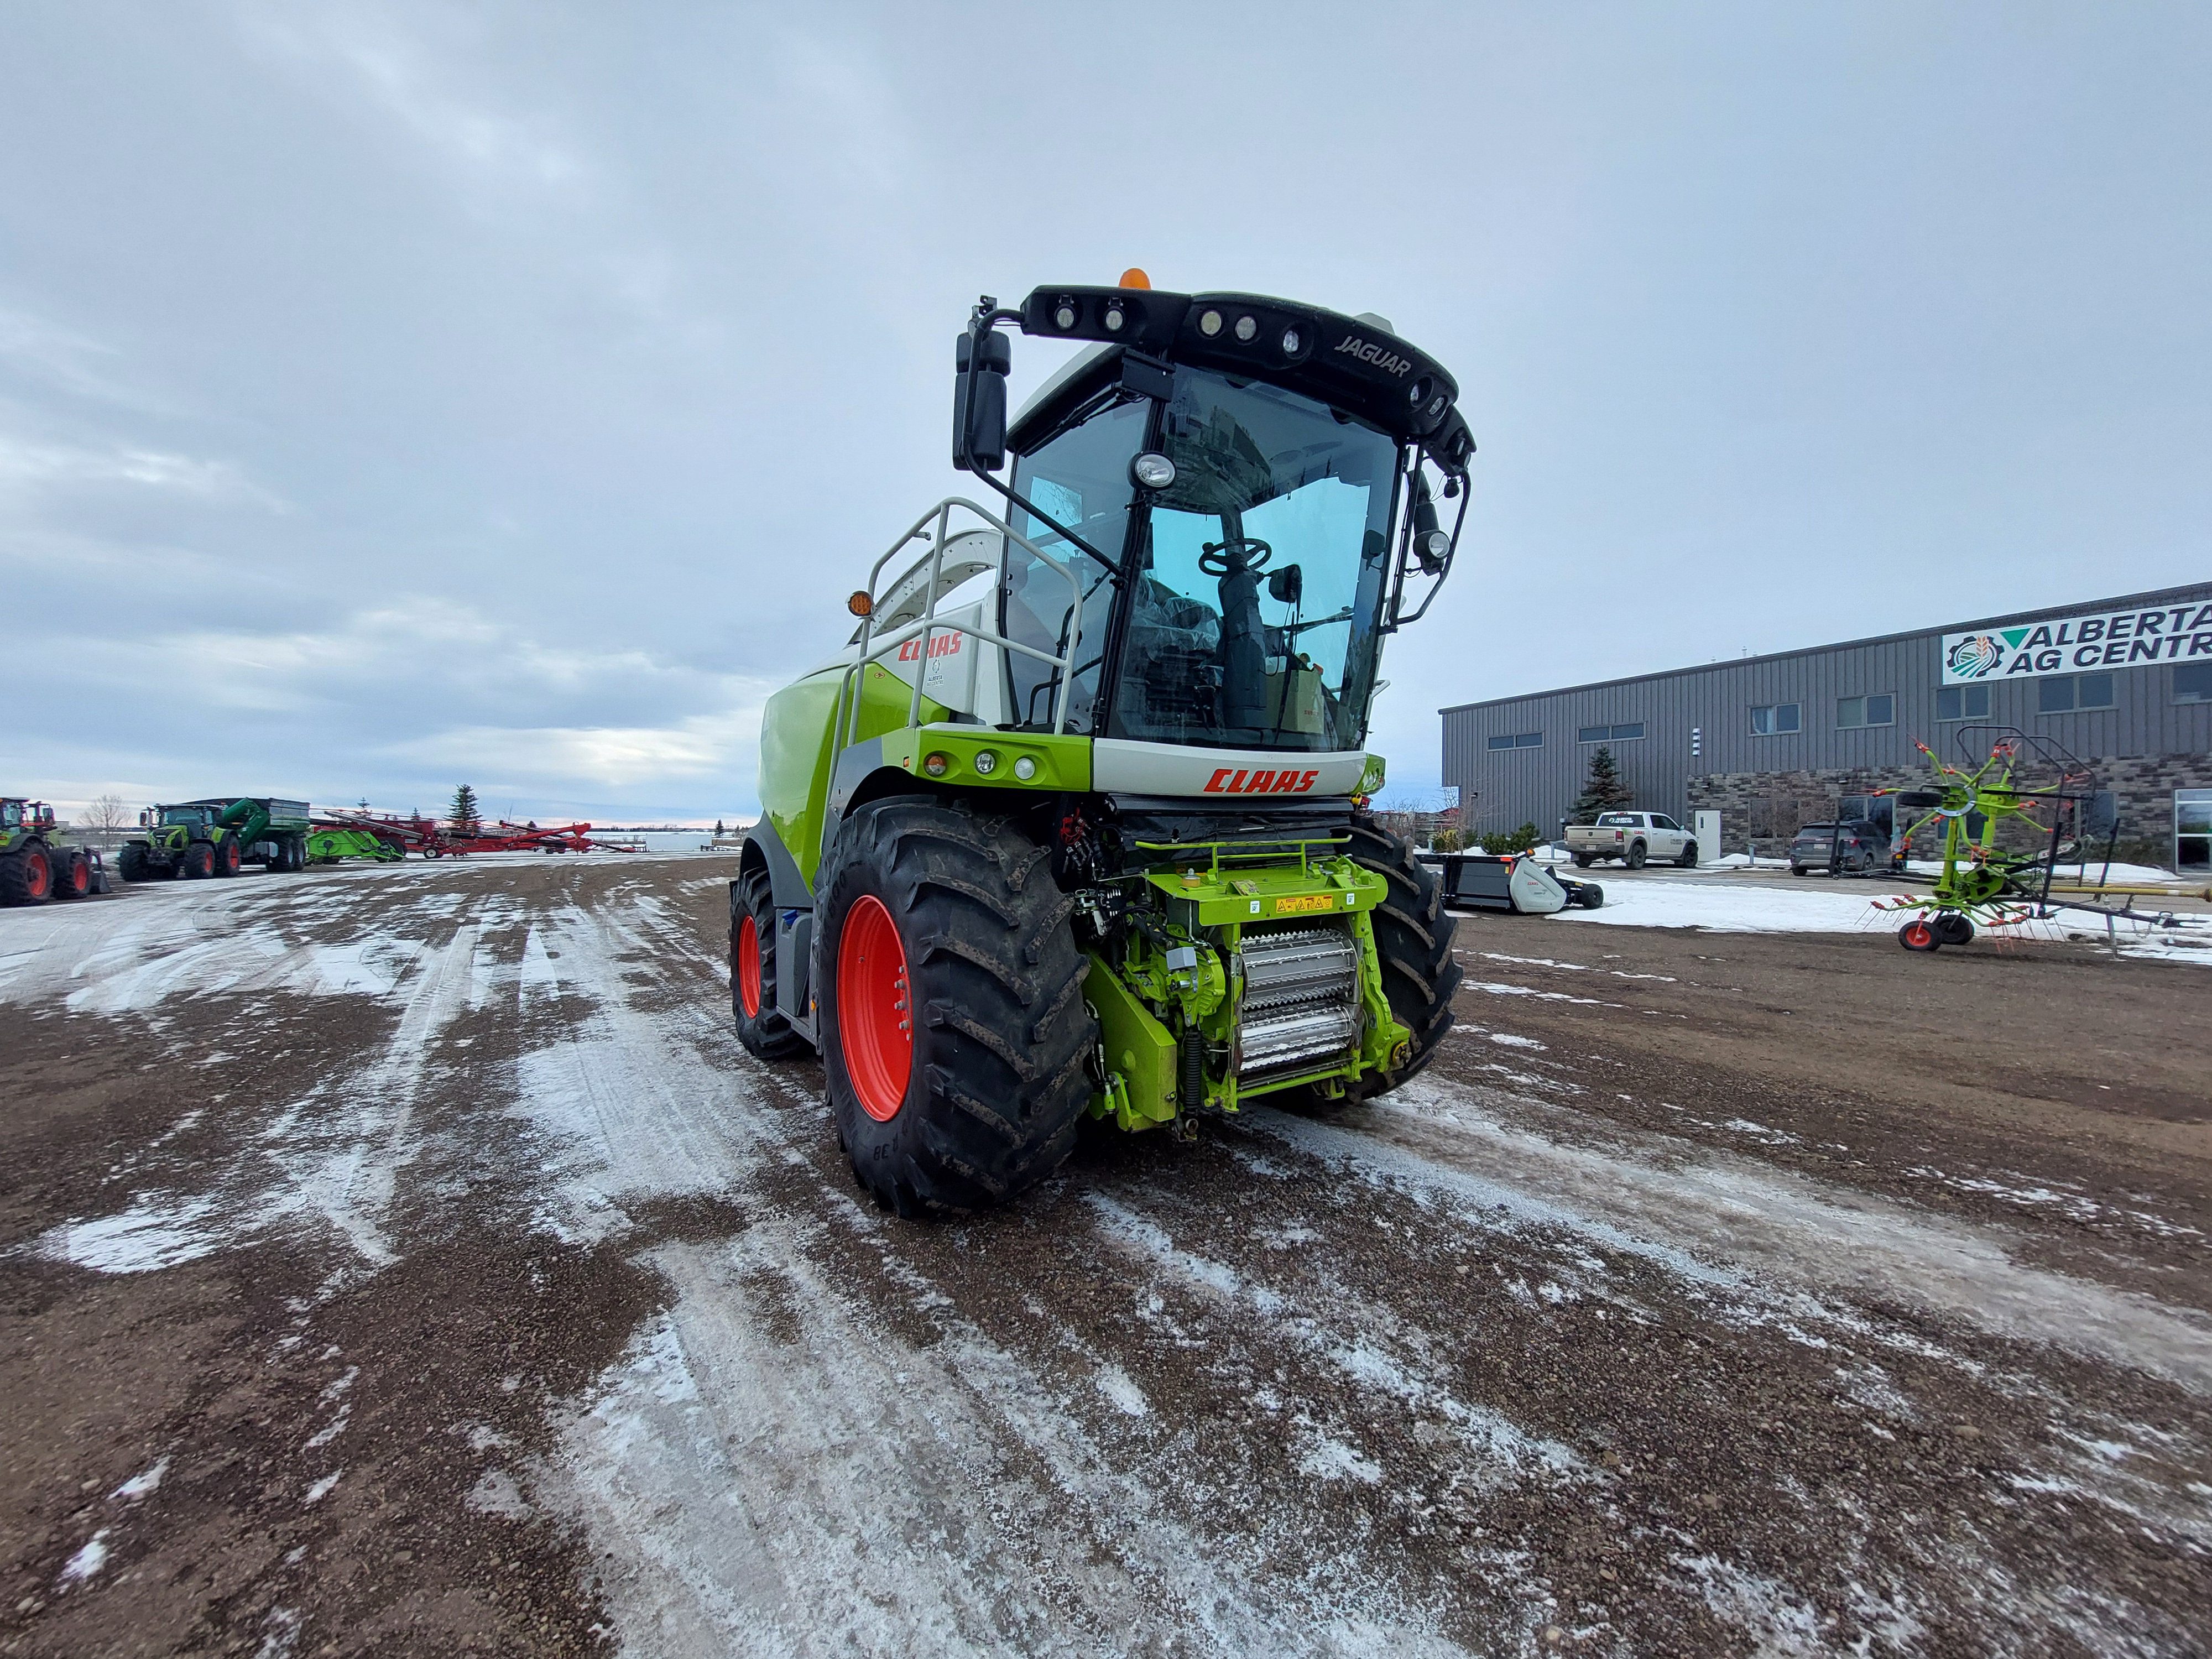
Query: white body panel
[1533,890]
[1158,768]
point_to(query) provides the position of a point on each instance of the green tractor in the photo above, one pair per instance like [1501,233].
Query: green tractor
[1076,821]
[35,864]
[217,837]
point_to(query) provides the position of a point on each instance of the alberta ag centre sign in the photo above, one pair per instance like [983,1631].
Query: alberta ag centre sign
[2116,639]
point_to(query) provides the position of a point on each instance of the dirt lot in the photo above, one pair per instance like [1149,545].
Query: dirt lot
[409,1261]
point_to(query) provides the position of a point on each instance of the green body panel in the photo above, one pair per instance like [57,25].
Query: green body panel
[1060,763]
[1140,1053]
[799,730]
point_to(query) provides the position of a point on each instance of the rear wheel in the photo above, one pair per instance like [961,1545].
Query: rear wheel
[1796,869]
[1689,858]
[26,877]
[1635,860]
[1413,939]
[761,1027]
[1592,896]
[1917,935]
[949,1006]
[1583,861]
[71,873]
[228,857]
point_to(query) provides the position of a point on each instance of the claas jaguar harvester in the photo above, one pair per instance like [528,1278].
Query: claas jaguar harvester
[1076,821]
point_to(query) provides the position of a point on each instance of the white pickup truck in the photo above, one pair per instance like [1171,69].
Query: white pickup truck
[1631,838]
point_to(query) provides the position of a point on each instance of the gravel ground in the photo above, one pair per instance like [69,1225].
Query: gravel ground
[409,1261]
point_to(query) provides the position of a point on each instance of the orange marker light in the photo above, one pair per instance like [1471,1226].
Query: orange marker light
[859,604]
[1135,277]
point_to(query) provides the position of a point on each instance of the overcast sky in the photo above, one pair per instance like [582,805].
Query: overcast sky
[391,395]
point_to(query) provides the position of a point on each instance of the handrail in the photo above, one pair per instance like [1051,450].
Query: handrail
[848,696]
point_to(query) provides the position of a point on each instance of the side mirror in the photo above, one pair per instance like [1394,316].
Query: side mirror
[1287,585]
[978,401]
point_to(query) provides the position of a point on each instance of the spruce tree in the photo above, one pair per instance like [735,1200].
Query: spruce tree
[467,818]
[1604,791]
[717,829]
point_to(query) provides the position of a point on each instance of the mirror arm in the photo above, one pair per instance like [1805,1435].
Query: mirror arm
[986,316]
[1429,599]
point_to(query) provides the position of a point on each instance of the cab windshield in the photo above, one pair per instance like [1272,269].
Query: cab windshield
[1256,582]
[1250,603]
[189,816]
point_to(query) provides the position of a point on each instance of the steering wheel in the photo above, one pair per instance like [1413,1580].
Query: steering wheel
[1214,559]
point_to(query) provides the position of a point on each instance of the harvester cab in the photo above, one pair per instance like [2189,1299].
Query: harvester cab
[1076,821]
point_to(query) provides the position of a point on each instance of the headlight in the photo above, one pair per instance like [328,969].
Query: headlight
[985,762]
[1025,768]
[1246,328]
[1209,324]
[1152,471]
[937,766]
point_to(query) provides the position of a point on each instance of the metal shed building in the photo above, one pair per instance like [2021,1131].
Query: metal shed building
[1771,741]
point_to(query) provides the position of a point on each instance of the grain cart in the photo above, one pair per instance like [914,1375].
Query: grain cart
[35,864]
[216,837]
[1075,822]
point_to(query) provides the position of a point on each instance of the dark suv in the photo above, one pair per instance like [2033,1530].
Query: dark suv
[1861,847]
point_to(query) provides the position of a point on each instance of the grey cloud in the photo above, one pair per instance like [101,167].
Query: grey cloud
[516,390]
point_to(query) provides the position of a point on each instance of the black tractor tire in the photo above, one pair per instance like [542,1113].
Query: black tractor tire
[1636,855]
[27,877]
[71,869]
[1413,939]
[130,862]
[766,1033]
[228,856]
[1955,929]
[1689,858]
[990,987]
[197,862]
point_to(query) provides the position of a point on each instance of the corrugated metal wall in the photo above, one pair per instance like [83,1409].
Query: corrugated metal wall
[1500,788]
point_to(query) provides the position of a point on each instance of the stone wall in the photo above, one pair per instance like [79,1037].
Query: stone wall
[1760,810]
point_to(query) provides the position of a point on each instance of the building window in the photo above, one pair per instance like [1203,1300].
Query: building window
[1879,710]
[1518,740]
[2062,694]
[2192,682]
[1962,703]
[1774,718]
[1610,733]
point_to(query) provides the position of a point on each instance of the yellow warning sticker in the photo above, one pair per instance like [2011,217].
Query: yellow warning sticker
[1304,901]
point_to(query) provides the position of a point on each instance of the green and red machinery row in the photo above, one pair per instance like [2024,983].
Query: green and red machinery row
[219,835]
[387,836]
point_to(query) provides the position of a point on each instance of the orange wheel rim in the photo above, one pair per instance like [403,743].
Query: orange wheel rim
[875,1023]
[748,968]
[1919,932]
